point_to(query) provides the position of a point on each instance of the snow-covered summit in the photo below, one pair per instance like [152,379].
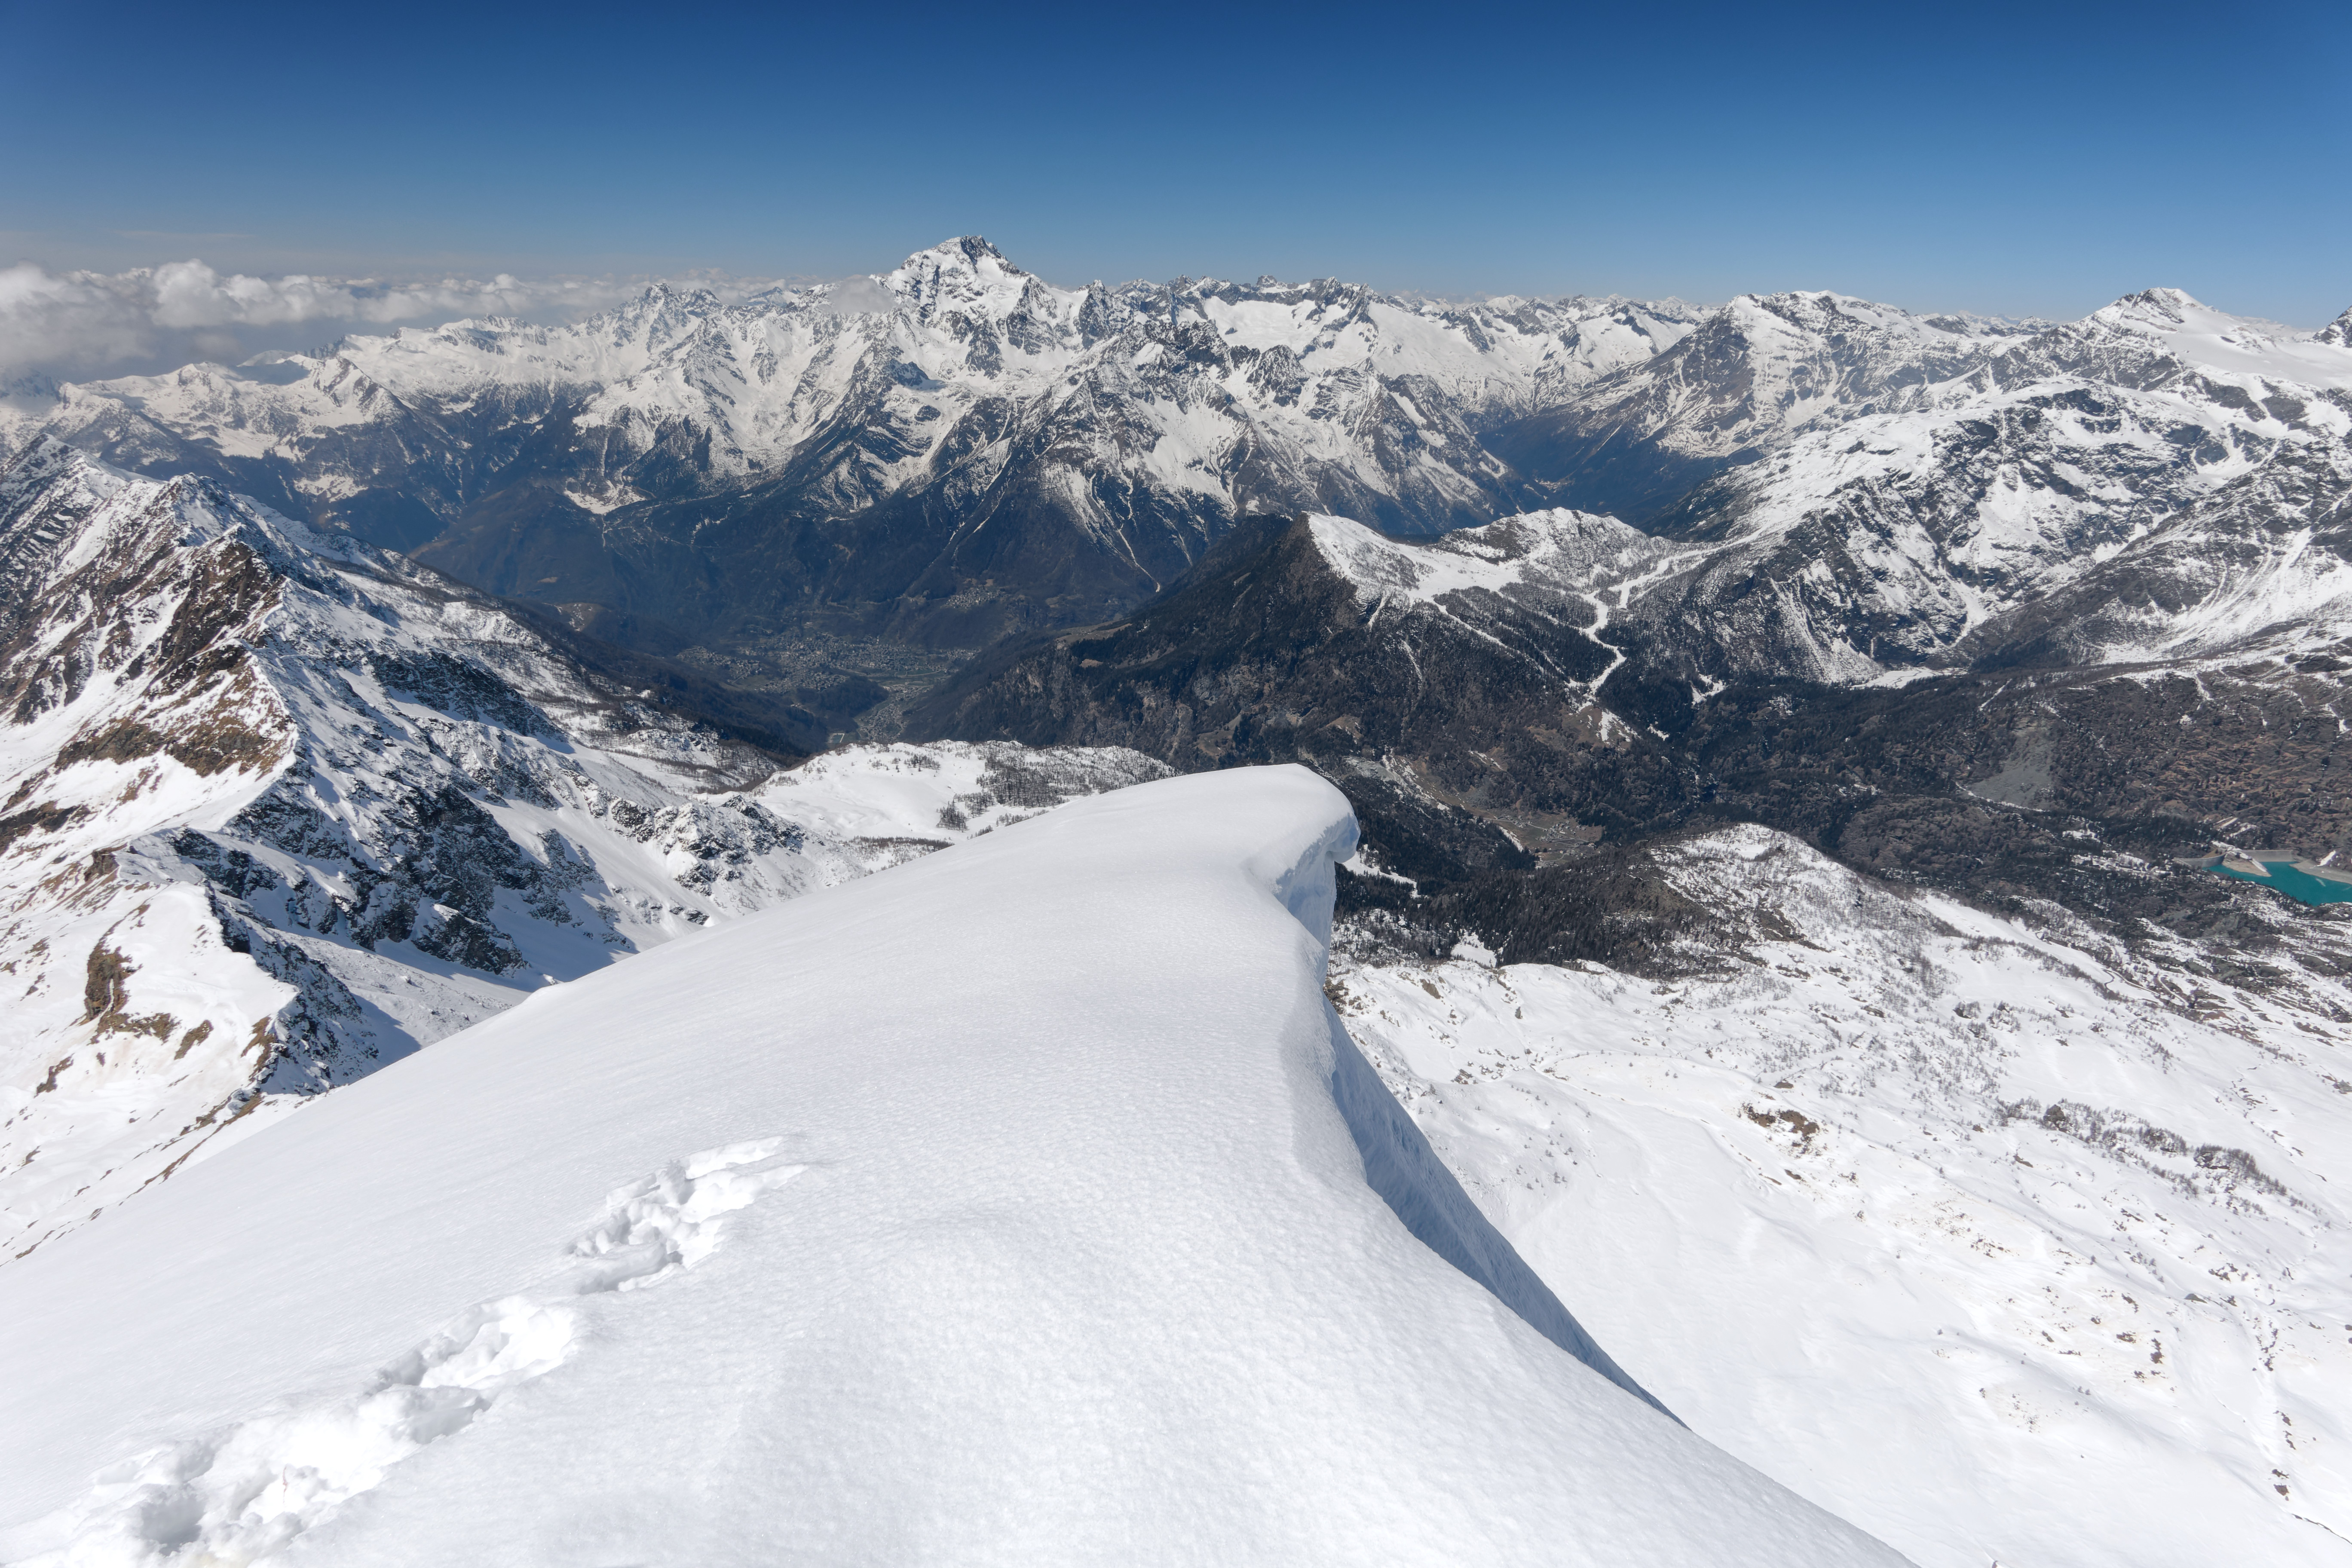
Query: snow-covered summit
[2217,341]
[1016,1207]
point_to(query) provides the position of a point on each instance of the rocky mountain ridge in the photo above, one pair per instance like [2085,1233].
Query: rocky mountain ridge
[1488,701]
[957,422]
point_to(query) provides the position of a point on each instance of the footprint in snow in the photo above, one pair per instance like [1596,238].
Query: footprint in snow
[243,1493]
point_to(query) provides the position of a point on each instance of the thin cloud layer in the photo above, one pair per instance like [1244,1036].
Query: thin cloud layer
[73,325]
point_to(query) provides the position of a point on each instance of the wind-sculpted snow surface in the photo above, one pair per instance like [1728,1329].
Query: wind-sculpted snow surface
[277,807]
[2009,1244]
[1080,1265]
[241,1494]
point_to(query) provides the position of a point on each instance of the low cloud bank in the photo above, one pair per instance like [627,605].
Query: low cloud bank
[64,326]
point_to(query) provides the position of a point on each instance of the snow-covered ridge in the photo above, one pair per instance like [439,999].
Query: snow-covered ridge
[1060,1259]
[277,808]
[1557,549]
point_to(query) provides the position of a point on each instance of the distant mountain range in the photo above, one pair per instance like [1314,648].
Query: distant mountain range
[1861,488]
[989,452]
[1802,698]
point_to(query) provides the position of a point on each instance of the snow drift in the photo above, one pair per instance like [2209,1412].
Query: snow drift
[999,1208]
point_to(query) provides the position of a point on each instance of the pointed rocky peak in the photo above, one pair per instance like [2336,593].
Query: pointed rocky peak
[2337,333]
[978,253]
[967,255]
[967,278]
[660,314]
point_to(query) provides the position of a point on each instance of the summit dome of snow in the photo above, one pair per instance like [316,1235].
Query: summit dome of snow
[1005,1208]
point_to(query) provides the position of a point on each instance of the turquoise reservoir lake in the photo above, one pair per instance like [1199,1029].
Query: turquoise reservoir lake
[2298,879]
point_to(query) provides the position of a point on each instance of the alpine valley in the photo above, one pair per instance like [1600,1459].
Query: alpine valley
[1770,731]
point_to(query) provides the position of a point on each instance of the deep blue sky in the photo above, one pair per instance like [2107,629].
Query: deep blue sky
[2023,159]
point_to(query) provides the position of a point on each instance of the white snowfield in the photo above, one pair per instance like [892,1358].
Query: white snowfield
[2007,1246]
[1001,1209]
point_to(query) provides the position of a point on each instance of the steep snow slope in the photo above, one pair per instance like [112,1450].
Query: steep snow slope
[2010,1245]
[1001,1209]
[279,807]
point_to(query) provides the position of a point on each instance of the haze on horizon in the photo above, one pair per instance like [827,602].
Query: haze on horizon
[2023,163]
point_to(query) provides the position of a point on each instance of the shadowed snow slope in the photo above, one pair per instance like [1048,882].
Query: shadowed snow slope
[994,1209]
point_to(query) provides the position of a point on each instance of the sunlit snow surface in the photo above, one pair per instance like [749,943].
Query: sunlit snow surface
[997,1209]
[245,763]
[2004,1248]
[118,1114]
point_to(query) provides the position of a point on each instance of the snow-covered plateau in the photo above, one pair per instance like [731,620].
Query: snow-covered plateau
[1017,1205]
